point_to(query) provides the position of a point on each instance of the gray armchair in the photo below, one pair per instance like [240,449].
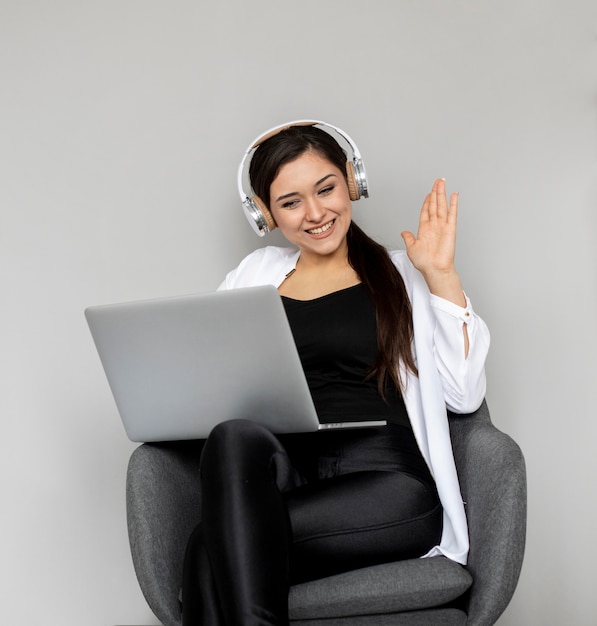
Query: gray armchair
[164,504]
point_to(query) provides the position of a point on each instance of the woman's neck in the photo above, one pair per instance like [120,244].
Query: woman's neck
[317,275]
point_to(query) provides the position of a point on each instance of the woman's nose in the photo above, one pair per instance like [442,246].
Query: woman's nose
[315,211]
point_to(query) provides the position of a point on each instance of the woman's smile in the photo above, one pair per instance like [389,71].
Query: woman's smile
[322,230]
[310,202]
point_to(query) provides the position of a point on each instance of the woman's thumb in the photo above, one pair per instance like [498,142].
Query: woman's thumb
[408,238]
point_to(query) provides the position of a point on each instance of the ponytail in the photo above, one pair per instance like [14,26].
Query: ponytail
[386,289]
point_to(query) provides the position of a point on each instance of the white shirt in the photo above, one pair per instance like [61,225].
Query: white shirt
[446,378]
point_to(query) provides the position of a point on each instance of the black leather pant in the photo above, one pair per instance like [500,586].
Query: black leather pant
[274,515]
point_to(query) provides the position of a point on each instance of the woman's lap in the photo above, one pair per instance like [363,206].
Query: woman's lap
[274,514]
[351,499]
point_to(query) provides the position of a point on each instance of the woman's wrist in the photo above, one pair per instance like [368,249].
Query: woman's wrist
[446,285]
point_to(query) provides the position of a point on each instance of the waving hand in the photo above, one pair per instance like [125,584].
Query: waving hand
[433,249]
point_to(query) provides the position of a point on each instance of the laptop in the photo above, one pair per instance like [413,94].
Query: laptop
[179,366]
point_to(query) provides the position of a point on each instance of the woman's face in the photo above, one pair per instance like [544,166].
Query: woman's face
[310,202]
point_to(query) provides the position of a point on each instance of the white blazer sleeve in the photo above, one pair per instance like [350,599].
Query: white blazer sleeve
[463,376]
[439,335]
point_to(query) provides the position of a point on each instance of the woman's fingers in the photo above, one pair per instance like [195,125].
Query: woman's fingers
[424,217]
[437,203]
[453,211]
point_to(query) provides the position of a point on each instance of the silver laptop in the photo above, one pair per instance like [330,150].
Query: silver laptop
[179,366]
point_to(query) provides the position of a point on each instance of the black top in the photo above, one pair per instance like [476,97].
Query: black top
[336,337]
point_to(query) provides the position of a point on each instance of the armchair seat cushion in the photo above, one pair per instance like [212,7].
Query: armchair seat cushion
[381,589]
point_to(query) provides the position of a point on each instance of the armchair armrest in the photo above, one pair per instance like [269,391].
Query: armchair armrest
[163,508]
[492,475]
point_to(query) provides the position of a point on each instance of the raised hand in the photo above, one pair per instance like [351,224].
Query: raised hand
[432,251]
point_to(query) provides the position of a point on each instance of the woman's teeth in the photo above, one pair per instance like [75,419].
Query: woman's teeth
[321,229]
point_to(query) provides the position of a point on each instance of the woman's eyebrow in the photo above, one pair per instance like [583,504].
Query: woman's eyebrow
[286,195]
[321,180]
[295,193]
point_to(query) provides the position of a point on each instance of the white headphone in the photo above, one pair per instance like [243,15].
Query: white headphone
[256,210]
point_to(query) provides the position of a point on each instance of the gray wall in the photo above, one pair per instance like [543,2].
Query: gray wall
[121,129]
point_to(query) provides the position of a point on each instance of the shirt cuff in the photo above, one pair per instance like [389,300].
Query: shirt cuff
[462,313]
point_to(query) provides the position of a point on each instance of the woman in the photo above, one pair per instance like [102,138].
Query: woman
[382,336]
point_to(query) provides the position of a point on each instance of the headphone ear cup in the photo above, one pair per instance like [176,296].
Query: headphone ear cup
[265,212]
[351,179]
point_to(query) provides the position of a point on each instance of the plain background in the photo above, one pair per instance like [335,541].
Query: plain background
[121,128]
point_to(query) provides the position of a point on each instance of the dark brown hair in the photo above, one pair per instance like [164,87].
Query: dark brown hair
[369,259]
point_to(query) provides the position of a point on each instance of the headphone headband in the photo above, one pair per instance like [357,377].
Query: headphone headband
[257,214]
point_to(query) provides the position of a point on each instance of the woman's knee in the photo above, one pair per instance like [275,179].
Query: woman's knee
[233,436]
[239,447]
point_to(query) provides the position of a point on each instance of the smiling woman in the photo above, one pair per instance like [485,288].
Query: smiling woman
[376,331]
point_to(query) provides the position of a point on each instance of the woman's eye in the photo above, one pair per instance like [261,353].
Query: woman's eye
[290,204]
[326,190]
